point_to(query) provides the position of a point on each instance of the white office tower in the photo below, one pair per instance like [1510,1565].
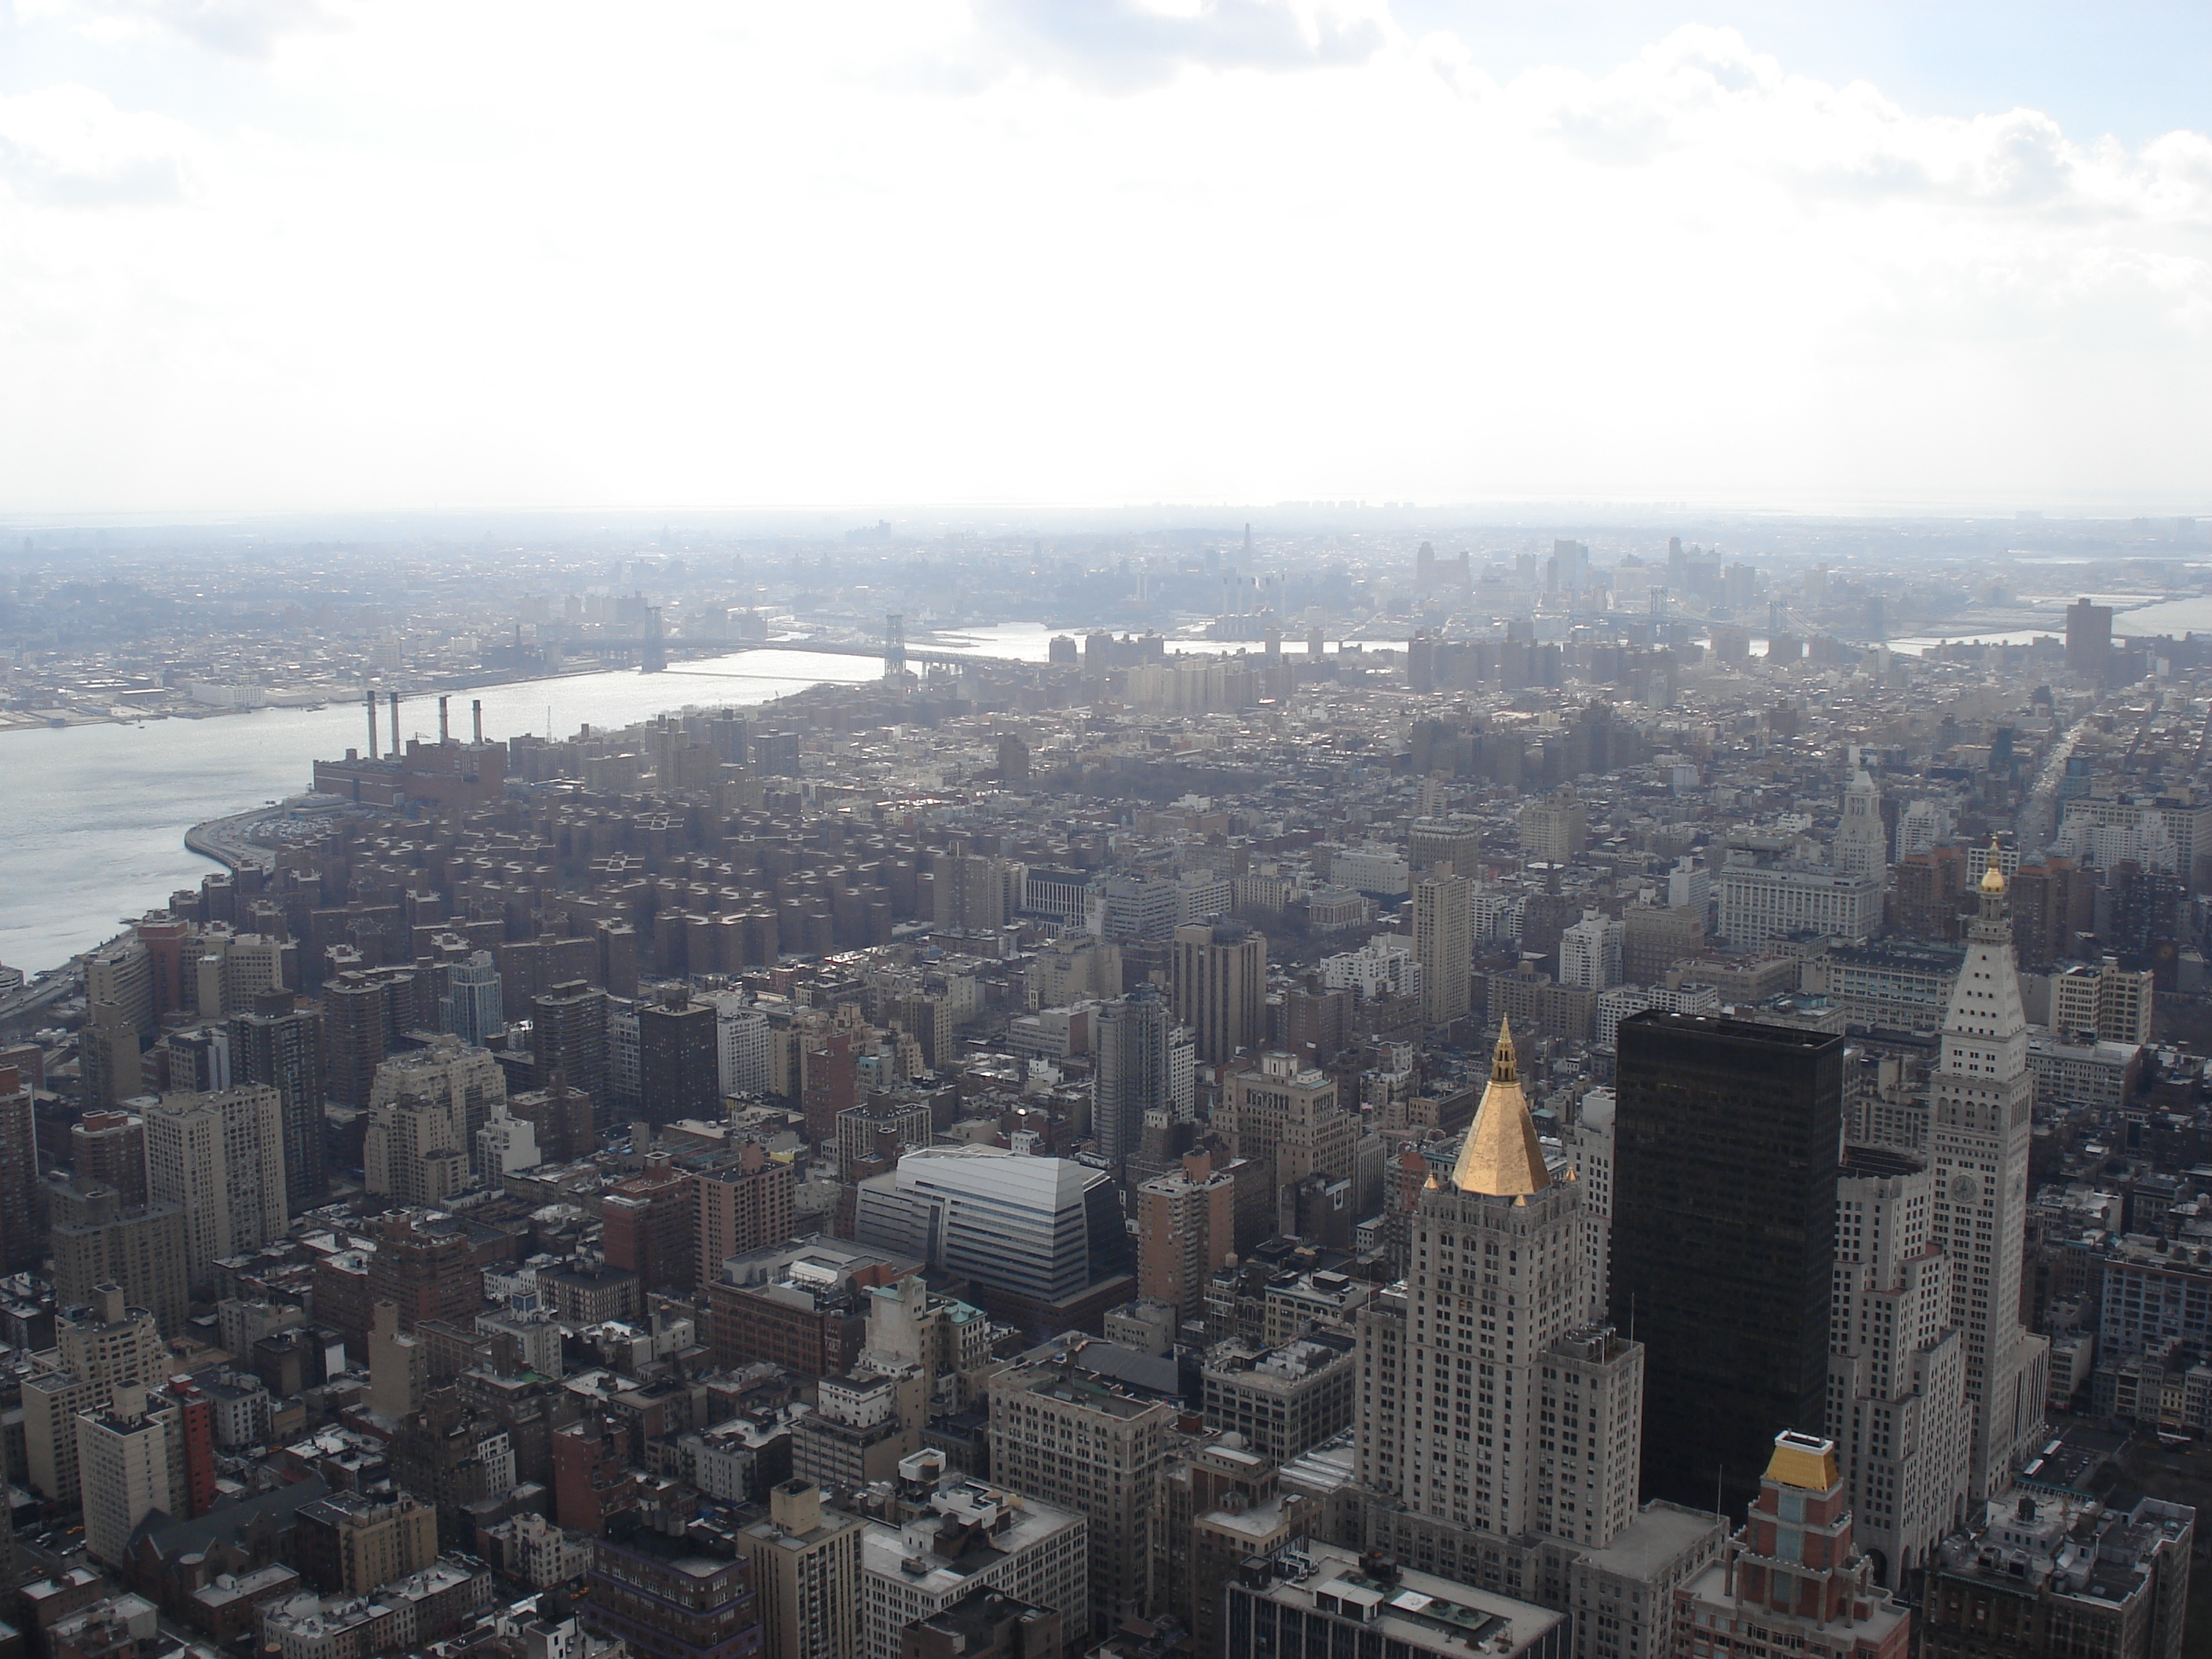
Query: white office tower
[1980,1108]
[1861,847]
[1690,887]
[745,1059]
[1589,1152]
[1590,952]
[1499,1426]
[1897,1369]
[1921,826]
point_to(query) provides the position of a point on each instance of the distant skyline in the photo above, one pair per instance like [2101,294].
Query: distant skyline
[260,256]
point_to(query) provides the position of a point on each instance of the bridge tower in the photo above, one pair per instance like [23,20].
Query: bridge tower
[894,644]
[655,658]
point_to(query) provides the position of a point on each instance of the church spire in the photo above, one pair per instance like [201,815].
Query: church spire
[1501,1158]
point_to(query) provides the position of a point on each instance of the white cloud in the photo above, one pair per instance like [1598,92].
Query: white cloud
[241,29]
[69,147]
[925,250]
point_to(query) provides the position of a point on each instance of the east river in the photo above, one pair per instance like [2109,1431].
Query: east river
[93,818]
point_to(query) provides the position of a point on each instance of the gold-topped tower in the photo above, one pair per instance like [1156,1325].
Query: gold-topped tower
[1500,1157]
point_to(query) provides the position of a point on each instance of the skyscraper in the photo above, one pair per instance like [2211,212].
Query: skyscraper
[1495,1355]
[1980,1107]
[1221,987]
[123,1469]
[98,1240]
[1443,922]
[425,1109]
[108,1149]
[1500,1419]
[220,1159]
[2089,641]
[472,1006]
[805,1560]
[282,1045]
[19,1174]
[1795,1572]
[568,1035]
[1590,952]
[1861,846]
[1039,1414]
[363,1014]
[1132,1071]
[1727,1136]
[678,1058]
[1897,1369]
[1186,1229]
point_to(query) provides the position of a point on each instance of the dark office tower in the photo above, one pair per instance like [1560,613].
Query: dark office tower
[618,952]
[1013,759]
[678,1058]
[107,1057]
[2046,898]
[1728,1147]
[568,1035]
[282,1045]
[21,1246]
[108,1149]
[357,1034]
[2089,641]
[1221,987]
[1131,1072]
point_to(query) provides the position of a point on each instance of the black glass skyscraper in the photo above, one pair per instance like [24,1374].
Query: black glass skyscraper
[1727,1144]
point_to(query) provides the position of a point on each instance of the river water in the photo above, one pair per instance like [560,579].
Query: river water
[93,818]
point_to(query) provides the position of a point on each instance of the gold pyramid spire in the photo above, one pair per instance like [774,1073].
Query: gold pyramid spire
[1500,1157]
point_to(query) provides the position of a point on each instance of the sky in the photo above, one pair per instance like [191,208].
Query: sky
[263,256]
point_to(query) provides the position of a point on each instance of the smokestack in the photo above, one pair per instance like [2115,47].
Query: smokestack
[395,725]
[371,695]
[445,729]
[476,709]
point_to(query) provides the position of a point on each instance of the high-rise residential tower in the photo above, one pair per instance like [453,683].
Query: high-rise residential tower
[1221,987]
[1980,1106]
[220,1159]
[1134,1070]
[678,1058]
[1443,921]
[1727,1139]
[282,1045]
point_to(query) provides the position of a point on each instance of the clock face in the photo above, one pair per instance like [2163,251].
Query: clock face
[1964,1189]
